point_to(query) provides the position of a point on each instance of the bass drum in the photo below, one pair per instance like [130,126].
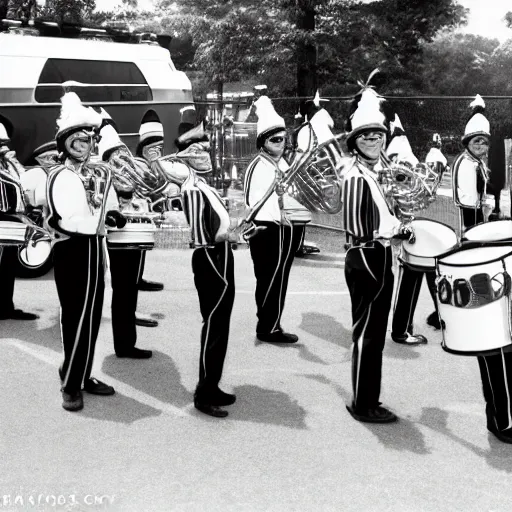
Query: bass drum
[432,238]
[473,296]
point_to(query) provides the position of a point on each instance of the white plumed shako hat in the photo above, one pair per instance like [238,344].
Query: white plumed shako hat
[3,134]
[478,124]
[367,114]
[151,130]
[269,121]
[399,145]
[75,116]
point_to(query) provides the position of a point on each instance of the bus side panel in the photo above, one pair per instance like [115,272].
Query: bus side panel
[34,124]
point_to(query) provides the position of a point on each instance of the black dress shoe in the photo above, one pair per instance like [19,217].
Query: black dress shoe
[135,353]
[376,414]
[145,322]
[210,409]
[505,436]
[433,320]
[221,398]
[410,339]
[72,401]
[149,286]
[278,337]
[96,387]
[18,314]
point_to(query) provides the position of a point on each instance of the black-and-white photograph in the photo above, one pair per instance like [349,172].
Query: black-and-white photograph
[255,256]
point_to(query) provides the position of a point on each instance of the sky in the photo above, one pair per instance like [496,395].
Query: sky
[485,17]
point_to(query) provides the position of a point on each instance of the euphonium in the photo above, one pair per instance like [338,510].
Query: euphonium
[34,241]
[96,176]
[315,181]
[409,188]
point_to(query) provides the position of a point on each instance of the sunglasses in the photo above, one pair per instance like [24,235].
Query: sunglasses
[479,290]
[276,140]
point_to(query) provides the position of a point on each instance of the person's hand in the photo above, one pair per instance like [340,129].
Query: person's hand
[115,219]
[405,232]
[250,230]
[280,189]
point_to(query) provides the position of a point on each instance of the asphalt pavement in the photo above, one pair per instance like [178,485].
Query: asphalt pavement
[288,443]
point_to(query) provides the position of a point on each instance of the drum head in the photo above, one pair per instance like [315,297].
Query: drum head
[432,238]
[497,230]
[469,256]
[33,256]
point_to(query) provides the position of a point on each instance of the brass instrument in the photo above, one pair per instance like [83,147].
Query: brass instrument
[243,218]
[34,241]
[409,188]
[96,177]
[315,181]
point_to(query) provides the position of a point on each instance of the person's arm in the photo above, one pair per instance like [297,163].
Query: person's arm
[360,216]
[68,201]
[193,208]
[465,179]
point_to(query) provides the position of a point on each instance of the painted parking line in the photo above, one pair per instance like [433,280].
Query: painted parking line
[50,357]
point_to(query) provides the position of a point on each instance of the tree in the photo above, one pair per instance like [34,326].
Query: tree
[69,11]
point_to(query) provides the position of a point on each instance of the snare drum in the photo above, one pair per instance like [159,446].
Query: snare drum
[473,296]
[432,238]
[12,233]
[497,230]
[138,233]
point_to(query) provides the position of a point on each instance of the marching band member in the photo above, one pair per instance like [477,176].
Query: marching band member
[10,203]
[77,193]
[470,177]
[409,280]
[277,239]
[124,263]
[371,225]
[150,149]
[213,267]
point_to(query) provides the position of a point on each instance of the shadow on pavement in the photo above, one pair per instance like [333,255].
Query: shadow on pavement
[499,454]
[49,337]
[118,408]
[304,352]
[327,328]
[260,405]
[157,377]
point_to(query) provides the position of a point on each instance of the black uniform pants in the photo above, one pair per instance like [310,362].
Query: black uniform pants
[407,294]
[370,282]
[125,265]
[80,281]
[272,253]
[8,262]
[214,278]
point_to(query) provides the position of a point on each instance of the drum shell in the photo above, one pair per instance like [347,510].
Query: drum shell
[432,239]
[497,230]
[12,232]
[134,235]
[483,330]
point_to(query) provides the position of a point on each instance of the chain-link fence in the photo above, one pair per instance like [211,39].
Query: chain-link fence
[235,138]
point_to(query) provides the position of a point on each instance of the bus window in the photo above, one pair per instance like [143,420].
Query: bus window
[103,81]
